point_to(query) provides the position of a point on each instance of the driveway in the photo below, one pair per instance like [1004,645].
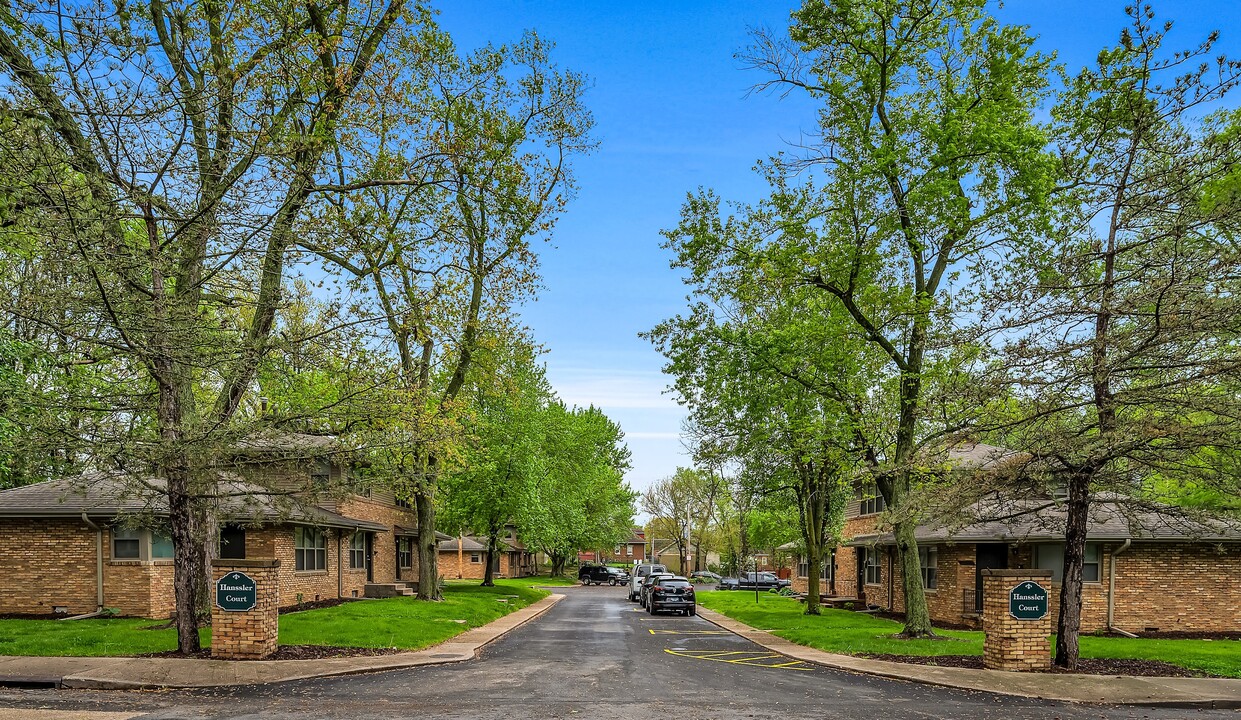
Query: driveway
[594,655]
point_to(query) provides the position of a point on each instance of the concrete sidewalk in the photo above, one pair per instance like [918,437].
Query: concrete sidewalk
[1112,690]
[154,673]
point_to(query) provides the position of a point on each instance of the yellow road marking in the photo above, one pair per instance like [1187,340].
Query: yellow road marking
[722,656]
[688,632]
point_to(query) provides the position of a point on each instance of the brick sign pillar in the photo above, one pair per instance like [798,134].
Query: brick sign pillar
[1016,618]
[244,617]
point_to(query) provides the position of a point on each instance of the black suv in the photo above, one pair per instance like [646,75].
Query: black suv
[599,574]
[672,593]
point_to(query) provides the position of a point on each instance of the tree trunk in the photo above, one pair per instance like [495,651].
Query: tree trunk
[813,512]
[1070,619]
[917,614]
[428,548]
[186,543]
[493,544]
[558,562]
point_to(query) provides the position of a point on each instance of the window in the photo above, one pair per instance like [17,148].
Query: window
[1090,563]
[870,501]
[828,571]
[1051,557]
[309,549]
[476,557]
[629,550]
[320,474]
[405,552]
[403,503]
[233,542]
[161,546]
[928,559]
[126,544]
[873,570]
[357,551]
[803,566]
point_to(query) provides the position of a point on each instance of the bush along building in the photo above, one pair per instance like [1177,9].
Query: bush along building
[1148,569]
[100,541]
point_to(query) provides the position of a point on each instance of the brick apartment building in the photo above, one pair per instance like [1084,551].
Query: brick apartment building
[76,545]
[465,557]
[1145,571]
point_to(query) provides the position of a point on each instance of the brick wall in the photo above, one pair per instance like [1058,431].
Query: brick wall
[1012,644]
[384,559]
[252,634]
[47,563]
[1160,587]
[470,571]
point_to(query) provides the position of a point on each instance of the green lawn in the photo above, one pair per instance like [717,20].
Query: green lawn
[394,622]
[536,581]
[850,633]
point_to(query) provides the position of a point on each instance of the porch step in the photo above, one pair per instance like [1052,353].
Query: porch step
[387,590]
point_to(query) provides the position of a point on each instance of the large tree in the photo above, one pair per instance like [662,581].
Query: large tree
[493,486]
[927,152]
[1122,322]
[191,137]
[441,263]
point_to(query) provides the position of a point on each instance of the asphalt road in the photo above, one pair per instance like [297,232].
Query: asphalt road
[594,655]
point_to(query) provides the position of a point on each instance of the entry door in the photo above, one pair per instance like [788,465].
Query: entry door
[861,573]
[370,557]
[990,556]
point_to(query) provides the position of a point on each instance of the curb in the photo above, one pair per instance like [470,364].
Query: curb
[997,681]
[460,648]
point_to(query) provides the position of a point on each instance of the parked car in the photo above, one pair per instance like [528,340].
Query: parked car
[640,571]
[644,593]
[598,575]
[705,576]
[748,581]
[671,593]
[620,575]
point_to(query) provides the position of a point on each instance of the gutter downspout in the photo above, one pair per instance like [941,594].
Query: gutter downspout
[1111,589]
[340,566]
[98,567]
[460,555]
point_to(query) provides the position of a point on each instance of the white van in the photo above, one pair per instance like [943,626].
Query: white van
[640,571]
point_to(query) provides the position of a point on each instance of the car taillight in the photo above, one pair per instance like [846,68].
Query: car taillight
[689,591]
[658,588]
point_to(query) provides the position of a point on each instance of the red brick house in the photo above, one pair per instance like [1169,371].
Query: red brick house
[1146,570]
[632,550]
[77,545]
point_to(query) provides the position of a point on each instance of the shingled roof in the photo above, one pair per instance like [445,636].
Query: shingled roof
[112,495]
[1043,520]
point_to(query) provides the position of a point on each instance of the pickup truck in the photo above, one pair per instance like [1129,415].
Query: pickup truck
[748,581]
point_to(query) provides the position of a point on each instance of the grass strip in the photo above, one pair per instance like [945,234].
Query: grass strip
[401,622]
[850,633]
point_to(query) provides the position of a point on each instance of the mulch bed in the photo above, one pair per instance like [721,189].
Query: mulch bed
[291,652]
[317,604]
[1085,666]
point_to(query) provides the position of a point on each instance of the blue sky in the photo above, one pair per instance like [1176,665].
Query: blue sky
[673,113]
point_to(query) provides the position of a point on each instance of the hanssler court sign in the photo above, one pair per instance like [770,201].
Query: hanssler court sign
[236,592]
[1028,601]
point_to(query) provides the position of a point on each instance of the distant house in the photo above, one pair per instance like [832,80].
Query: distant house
[1146,570]
[76,545]
[631,551]
[668,554]
[465,557]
